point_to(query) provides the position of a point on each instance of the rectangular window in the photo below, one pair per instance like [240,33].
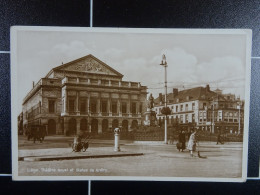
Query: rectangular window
[181,108]
[114,107]
[186,107]
[176,108]
[133,107]
[71,105]
[123,107]
[104,106]
[193,118]
[186,118]
[93,106]
[51,106]
[204,106]
[141,108]
[193,106]
[83,106]
[181,119]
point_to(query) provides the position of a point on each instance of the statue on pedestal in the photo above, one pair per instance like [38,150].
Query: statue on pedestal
[150,115]
[150,102]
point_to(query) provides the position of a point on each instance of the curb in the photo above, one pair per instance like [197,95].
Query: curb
[75,157]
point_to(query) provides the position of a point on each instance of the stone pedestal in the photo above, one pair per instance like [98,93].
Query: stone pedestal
[150,118]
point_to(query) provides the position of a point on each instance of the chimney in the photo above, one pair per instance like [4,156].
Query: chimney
[160,98]
[175,92]
[207,88]
[33,84]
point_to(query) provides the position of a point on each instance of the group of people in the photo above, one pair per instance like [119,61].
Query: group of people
[192,141]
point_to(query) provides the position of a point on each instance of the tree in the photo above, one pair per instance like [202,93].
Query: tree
[166,111]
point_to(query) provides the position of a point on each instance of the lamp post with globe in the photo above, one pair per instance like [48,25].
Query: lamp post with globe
[164,64]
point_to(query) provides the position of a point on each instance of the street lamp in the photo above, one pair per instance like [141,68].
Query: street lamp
[239,107]
[164,63]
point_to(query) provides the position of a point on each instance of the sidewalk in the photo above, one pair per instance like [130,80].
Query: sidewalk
[67,154]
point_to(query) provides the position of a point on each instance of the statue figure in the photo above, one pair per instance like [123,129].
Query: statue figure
[150,101]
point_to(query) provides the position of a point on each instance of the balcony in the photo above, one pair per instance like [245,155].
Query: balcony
[100,82]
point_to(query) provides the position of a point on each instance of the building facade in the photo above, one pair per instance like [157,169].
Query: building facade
[200,107]
[84,94]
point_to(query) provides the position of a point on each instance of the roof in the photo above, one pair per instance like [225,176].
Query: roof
[197,93]
[88,64]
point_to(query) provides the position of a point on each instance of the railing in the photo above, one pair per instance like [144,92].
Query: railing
[115,114]
[102,82]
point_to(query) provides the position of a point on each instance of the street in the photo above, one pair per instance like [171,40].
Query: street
[159,160]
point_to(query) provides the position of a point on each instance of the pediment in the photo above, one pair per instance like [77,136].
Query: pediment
[89,64]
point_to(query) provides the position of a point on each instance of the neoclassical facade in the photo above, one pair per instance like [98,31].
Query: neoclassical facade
[84,94]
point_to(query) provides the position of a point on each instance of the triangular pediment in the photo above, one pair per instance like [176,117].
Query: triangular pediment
[88,64]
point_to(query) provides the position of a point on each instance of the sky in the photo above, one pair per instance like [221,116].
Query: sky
[193,59]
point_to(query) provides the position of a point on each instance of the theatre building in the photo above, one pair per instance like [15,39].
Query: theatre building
[84,94]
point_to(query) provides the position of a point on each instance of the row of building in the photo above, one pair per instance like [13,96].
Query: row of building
[87,94]
[203,108]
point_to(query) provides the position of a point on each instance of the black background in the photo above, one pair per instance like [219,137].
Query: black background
[138,14]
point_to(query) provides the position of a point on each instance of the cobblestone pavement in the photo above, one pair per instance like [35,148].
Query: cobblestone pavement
[223,161]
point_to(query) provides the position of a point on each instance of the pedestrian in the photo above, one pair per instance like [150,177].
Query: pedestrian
[192,143]
[219,140]
[182,140]
[188,135]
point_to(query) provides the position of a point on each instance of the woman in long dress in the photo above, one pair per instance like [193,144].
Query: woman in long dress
[192,143]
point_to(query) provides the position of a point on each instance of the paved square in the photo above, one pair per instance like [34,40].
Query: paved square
[223,161]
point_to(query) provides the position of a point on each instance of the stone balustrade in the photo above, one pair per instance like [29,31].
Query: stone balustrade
[100,82]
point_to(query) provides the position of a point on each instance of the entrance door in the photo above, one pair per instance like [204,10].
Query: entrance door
[72,127]
[94,126]
[51,127]
[134,124]
[104,125]
[114,124]
[83,124]
[125,125]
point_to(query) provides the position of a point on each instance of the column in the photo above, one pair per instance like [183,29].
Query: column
[118,106]
[88,106]
[129,124]
[77,103]
[65,101]
[110,124]
[109,105]
[66,126]
[99,126]
[78,125]
[98,105]
[129,106]
[137,107]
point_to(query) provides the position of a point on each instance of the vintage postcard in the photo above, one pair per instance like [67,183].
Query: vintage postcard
[130,104]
